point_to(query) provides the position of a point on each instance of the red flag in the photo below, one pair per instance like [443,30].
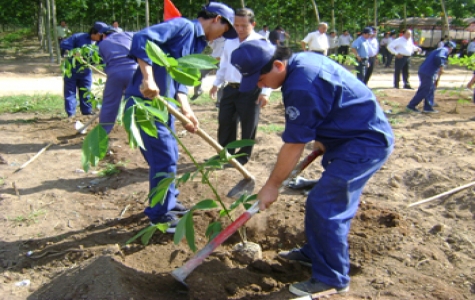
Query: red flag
[170,11]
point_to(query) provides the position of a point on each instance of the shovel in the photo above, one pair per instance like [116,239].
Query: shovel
[181,273]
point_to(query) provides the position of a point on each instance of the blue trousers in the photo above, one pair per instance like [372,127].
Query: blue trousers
[71,86]
[332,204]
[161,155]
[425,92]
[113,91]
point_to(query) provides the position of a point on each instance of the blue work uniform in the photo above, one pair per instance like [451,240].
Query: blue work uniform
[362,48]
[114,51]
[427,76]
[177,37]
[78,79]
[326,103]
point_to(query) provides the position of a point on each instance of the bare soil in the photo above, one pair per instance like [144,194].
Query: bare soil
[65,230]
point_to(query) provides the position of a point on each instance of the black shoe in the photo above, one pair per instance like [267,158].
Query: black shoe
[179,209]
[167,218]
[296,255]
[412,109]
[408,87]
[435,105]
[313,286]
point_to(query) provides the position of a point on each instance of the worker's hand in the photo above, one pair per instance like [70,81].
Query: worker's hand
[267,195]
[262,100]
[213,92]
[149,88]
[358,58]
[193,126]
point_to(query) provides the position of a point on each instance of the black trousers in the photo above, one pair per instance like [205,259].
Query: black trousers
[402,64]
[384,54]
[343,50]
[369,71]
[361,69]
[236,107]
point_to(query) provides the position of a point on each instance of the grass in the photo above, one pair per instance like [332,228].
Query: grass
[271,128]
[30,218]
[110,169]
[32,104]
[394,121]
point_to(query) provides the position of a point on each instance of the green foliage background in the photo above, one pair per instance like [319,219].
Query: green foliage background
[297,16]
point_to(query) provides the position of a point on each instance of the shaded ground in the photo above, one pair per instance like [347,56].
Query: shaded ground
[64,230]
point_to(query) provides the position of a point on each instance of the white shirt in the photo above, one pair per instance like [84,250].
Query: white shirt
[402,46]
[471,47]
[332,41]
[264,33]
[316,41]
[384,42]
[227,72]
[373,47]
[218,46]
[345,40]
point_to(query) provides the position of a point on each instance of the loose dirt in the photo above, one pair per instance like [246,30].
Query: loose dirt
[65,230]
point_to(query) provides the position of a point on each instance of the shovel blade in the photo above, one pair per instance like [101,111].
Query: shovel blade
[245,186]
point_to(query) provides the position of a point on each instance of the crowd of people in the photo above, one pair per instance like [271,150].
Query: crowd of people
[318,94]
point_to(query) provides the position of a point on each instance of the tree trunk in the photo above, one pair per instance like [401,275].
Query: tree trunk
[48,30]
[40,31]
[375,13]
[333,15]
[55,33]
[405,16]
[315,7]
[446,20]
[243,5]
[147,14]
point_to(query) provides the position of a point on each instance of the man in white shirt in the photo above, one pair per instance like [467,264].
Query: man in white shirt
[392,37]
[317,41]
[344,42]
[383,47]
[402,48]
[373,50]
[265,31]
[236,106]
[332,43]
[115,24]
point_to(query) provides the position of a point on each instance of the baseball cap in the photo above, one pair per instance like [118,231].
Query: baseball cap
[368,30]
[101,27]
[249,59]
[450,44]
[225,12]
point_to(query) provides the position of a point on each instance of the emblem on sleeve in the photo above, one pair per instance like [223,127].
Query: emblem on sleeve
[293,112]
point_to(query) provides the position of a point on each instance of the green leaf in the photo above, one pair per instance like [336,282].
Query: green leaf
[180,229]
[94,147]
[160,114]
[190,231]
[162,227]
[205,204]
[183,77]
[183,179]
[161,191]
[148,235]
[120,114]
[198,61]
[141,232]
[172,62]
[135,139]
[145,122]
[156,54]
[240,144]
[213,230]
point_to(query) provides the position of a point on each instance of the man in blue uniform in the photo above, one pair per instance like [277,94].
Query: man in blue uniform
[360,48]
[430,69]
[114,50]
[323,103]
[177,37]
[80,79]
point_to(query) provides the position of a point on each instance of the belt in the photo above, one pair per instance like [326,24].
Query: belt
[318,51]
[233,85]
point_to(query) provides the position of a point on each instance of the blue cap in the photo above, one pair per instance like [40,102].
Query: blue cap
[249,59]
[450,44]
[225,12]
[368,30]
[101,27]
